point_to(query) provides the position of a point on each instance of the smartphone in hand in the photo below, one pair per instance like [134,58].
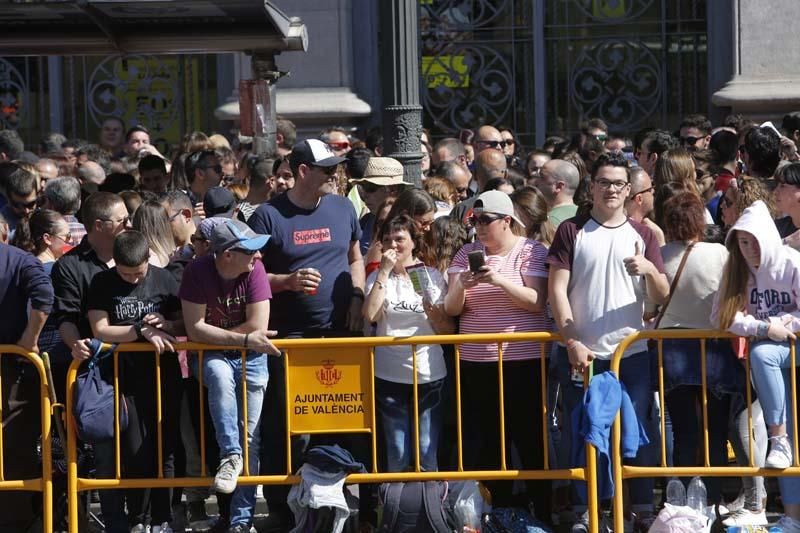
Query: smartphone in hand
[476,260]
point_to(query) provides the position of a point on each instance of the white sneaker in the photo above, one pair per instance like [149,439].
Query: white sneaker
[745,517]
[789,525]
[228,473]
[780,453]
[139,528]
[163,528]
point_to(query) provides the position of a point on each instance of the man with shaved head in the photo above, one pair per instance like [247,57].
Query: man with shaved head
[91,172]
[488,164]
[488,137]
[557,182]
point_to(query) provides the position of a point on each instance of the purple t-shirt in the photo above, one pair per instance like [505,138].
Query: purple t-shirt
[225,300]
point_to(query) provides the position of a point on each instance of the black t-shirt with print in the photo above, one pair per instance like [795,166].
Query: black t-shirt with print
[127,304]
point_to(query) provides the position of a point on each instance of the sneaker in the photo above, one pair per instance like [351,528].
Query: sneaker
[240,528]
[228,473]
[745,517]
[582,525]
[139,528]
[220,526]
[780,453]
[788,525]
[163,528]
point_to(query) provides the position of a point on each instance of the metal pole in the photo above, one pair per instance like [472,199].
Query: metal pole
[399,58]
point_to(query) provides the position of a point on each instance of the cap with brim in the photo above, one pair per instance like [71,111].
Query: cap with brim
[219,202]
[207,225]
[235,234]
[383,171]
[496,202]
[314,152]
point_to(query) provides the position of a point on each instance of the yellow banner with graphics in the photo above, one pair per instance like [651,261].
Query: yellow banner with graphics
[329,389]
[450,71]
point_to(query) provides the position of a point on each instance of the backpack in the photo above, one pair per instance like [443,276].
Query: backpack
[416,506]
[93,409]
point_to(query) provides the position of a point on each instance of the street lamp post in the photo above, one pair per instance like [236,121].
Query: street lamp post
[399,58]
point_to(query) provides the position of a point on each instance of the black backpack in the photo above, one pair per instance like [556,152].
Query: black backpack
[417,506]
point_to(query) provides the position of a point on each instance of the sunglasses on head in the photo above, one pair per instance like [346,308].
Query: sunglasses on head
[484,219]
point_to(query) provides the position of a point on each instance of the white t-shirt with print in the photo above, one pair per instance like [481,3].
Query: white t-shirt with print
[404,316]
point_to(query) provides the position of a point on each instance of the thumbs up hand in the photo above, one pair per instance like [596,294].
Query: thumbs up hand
[638,265]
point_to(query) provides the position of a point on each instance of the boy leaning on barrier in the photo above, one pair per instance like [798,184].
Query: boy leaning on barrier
[226,301]
[131,302]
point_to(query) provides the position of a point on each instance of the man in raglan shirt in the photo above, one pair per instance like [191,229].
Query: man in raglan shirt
[602,266]
[316,272]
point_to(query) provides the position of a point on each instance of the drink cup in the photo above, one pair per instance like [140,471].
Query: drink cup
[312,292]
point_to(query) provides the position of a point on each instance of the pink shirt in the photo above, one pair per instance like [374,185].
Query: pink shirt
[489,309]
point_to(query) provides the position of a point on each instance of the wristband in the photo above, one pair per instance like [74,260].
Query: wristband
[379,284]
[763,330]
[137,327]
[246,337]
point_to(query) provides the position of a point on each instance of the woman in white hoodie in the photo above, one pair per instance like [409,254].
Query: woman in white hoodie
[758,298]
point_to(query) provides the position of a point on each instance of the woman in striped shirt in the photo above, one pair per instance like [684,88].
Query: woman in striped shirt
[507,294]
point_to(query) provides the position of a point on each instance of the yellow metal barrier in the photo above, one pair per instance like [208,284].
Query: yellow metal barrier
[621,472]
[294,350]
[43,484]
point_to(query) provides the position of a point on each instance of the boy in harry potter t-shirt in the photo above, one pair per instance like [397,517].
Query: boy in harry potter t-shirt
[131,302]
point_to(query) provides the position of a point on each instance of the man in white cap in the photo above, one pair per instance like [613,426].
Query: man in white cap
[382,179]
[226,301]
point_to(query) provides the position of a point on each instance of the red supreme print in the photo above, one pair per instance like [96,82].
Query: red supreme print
[312,236]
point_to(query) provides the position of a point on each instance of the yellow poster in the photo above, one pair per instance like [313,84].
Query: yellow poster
[329,389]
[609,9]
[450,71]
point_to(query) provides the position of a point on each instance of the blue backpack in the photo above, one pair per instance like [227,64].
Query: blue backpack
[93,408]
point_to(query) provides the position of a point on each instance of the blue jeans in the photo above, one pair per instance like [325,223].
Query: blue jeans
[634,373]
[770,365]
[223,377]
[395,404]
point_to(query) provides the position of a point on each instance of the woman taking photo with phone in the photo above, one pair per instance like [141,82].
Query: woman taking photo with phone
[499,285]
[404,299]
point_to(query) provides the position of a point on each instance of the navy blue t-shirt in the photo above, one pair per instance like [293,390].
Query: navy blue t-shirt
[304,238]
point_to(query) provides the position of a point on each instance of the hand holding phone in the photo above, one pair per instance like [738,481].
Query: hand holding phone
[476,260]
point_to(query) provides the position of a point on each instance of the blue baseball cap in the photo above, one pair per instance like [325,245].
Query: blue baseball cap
[236,234]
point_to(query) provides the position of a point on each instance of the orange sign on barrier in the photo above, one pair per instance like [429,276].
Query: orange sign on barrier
[330,389]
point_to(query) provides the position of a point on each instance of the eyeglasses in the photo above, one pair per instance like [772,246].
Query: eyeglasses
[689,141]
[123,221]
[649,189]
[23,205]
[494,144]
[616,185]
[176,215]
[66,238]
[602,137]
[344,145]
[483,219]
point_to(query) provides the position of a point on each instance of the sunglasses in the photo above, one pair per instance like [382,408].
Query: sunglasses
[495,144]
[123,221]
[215,168]
[329,171]
[245,252]
[344,145]
[689,141]
[483,219]
[23,205]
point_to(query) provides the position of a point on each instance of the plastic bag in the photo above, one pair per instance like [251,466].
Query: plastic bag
[679,519]
[468,506]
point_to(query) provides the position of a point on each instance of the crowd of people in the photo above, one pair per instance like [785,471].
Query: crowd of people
[595,237]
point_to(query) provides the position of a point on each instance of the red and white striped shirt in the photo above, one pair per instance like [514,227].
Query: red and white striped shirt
[489,309]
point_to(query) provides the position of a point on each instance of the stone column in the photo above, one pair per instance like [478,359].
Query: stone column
[399,67]
[766,81]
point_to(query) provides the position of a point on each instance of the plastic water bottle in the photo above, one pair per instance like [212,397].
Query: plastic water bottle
[696,495]
[676,492]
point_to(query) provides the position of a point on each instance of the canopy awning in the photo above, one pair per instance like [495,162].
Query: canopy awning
[102,27]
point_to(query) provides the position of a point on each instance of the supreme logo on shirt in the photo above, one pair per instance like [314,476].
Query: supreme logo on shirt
[312,236]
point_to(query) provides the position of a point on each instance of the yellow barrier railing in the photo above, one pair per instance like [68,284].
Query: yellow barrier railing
[44,483]
[622,472]
[293,349]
